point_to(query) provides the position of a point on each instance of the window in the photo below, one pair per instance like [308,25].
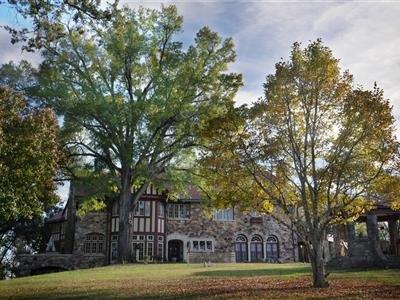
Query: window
[94,243]
[195,245]
[179,211]
[150,247]
[241,239]
[142,208]
[209,246]
[272,247]
[114,224]
[257,239]
[223,215]
[241,248]
[138,237]
[138,250]
[202,246]
[160,248]
[114,247]
[161,210]
[256,248]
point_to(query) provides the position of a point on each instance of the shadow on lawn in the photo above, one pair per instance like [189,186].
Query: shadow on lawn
[256,272]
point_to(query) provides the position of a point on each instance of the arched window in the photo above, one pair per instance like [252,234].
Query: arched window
[241,238]
[241,248]
[256,248]
[256,239]
[94,243]
[272,247]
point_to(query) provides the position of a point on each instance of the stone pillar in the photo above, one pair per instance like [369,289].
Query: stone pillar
[336,241]
[338,237]
[373,240]
[351,233]
[394,237]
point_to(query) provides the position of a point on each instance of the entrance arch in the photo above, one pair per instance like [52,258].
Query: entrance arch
[175,251]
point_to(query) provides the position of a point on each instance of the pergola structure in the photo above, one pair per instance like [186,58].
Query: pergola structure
[351,250]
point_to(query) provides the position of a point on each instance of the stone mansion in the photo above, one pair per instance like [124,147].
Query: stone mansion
[182,231]
[171,232]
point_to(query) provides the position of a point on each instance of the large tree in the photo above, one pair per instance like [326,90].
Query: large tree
[315,146]
[133,98]
[29,157]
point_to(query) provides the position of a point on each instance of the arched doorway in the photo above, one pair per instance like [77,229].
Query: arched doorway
[175,251]
[256,249]
[272,248]
[241,248]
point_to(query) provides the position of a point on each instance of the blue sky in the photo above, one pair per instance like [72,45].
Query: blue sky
[365,35]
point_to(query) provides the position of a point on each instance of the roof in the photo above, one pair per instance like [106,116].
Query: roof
[192,194]
[56,218]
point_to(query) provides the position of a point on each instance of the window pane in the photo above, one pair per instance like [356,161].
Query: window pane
[150,251]
[147,209]
[100,250]
[195,245]
[209,245]
[94,246]
[202,245]
[161,212]
[176,211]
[188,211]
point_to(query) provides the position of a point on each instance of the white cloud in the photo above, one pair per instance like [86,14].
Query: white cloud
[12,52]
[246,96]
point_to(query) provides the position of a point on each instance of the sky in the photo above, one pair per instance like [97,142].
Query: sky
[364,35]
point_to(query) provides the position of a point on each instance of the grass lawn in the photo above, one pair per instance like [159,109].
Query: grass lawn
[221,281]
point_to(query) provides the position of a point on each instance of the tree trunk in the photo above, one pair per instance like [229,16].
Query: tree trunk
[124,253]
[318,264]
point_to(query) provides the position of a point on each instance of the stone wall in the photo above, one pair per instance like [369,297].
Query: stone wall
[89,223]
[224,233]
[29,264]
[217,256]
